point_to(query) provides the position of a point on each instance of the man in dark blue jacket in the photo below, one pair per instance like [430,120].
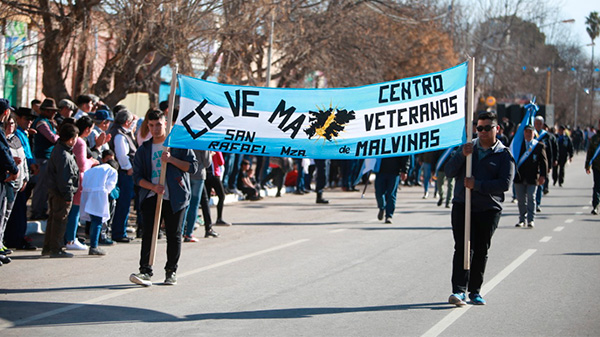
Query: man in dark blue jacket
[493,172]
[147,164]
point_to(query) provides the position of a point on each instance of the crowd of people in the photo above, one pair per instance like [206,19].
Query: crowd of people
[85,165]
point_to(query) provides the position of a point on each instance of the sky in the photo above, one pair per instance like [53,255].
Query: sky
[578,10]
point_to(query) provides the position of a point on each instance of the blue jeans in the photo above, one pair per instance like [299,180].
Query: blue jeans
[386,187]
[72,223]
[426,167]
[95,229]
[526,201]
[191,213]
[119,224]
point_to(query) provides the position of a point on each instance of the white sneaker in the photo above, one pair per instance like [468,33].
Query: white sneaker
[76,245]
[426,195]
[530,224]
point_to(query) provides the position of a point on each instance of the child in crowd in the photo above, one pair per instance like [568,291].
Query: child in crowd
[63,181]
[98,184]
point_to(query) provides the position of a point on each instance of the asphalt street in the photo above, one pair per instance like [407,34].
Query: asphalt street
[291,267]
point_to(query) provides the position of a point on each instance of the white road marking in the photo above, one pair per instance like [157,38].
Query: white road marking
[585,207]
[338,230]
[546,239]
[569,220]
[442,325]
[559,228]
[127,291]
[578,213]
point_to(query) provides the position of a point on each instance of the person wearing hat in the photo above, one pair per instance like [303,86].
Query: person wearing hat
[9,171]
[67,107]
[44,141]
[532,169]
[99,138]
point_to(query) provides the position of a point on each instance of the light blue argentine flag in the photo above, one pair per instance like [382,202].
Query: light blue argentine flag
[517,142]
[402,117]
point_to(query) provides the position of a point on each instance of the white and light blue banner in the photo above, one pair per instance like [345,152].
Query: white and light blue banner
[401,117]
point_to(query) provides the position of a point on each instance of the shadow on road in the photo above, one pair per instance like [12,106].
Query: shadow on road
[94,314]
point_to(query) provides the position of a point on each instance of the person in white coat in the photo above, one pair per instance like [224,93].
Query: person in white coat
[98,183]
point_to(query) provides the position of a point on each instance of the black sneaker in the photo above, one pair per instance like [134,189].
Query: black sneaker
[60,254]
[171,278]
[5,259]
[380,214]
[211,234]
[96,251]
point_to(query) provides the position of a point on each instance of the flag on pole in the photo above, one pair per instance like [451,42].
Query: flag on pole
[517,142]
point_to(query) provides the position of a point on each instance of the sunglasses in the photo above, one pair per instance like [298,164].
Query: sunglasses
[486,128]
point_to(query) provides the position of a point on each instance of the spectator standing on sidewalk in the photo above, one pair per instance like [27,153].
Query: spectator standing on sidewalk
[124,147]
[63,181]
[44,140]
[16,228]
[9,172]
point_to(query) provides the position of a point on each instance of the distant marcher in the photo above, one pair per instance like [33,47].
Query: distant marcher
[445,185]
[389,172]
[532,169]
[565,153]
[592,164]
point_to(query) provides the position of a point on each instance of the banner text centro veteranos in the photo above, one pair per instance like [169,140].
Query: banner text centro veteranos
[401,117]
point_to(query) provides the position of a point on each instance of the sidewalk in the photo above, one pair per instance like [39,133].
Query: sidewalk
[39,226]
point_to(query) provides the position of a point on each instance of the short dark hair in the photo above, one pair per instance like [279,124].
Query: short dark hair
[154,115]
[245,162]
[83,123]
[164,105]
[488,115]
[107,152]
[82,99]
[118,108]
[35,101]
[67,131]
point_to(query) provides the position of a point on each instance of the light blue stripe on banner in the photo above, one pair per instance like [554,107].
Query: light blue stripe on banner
[403,143]
[356,98]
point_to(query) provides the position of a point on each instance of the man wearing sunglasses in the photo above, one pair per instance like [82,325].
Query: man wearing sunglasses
[493,172]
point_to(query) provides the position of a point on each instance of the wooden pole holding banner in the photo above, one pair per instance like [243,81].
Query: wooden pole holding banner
[163,171]
[469,168]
